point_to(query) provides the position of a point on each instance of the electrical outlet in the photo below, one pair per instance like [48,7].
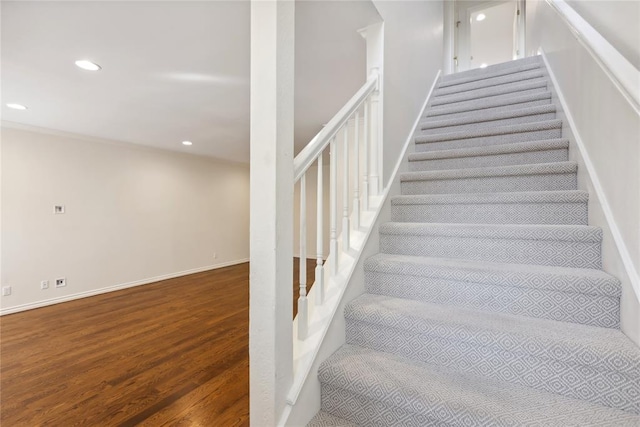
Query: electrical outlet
[61,282]
[44,284]
[215,255]
[58,209]
[6,291]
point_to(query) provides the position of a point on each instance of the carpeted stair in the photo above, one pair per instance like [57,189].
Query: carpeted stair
[486,305]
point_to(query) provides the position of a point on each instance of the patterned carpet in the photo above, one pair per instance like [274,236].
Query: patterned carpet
[486,305]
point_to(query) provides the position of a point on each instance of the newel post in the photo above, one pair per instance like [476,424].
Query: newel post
[271,223]
[374,36]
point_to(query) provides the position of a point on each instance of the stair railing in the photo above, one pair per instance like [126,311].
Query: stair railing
[355,127]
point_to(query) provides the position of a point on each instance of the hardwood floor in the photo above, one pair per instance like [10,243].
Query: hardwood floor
[170,353]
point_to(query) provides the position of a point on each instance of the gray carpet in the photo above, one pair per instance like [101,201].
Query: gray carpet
[486,305]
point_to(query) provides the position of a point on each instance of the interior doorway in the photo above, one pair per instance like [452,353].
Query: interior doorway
[488,32]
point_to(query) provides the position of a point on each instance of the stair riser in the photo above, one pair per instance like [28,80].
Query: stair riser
[492,71]
[490,184]
[544,252]
[490,82]
[509,159]
[489,94]
[594,310]
[489,124]
[364,411]
[499,213]
[489,140]
[607,388]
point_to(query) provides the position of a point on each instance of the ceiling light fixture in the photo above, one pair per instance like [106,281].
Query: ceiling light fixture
[17,106]
[480,17]
[187,143]
[87,65]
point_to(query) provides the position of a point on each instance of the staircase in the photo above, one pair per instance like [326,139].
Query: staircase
[486,305]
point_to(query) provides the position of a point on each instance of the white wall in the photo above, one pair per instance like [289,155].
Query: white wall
[617,21]
[608,128]
[413,45]
[132,214]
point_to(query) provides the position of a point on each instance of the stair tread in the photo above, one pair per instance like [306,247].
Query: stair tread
[484,103]
[488,116]
[512,170]
[565,279]
[494,70]
[492,131]
[492,81]
[325,419]
[516,147]
[540,84]
[601,348]
[563,196]
[455,398]
[570,233]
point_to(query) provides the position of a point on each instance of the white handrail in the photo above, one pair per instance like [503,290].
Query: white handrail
[624,74]
[310,153]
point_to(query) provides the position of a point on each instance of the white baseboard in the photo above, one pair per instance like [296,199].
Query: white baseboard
[94,292]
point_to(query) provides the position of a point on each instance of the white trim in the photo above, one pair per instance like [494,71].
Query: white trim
[591,171]
[624,75]
[305,369]
[107,289]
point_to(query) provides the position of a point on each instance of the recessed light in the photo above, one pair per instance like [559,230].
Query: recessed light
[483,65]
[17,106]
[187,143]
[88,65]
[480,17]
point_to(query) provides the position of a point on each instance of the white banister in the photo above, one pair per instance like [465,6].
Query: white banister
[333,207]
[356,172]
[303,315]
[319,277]
[310,153]
[365,157]
[346,228]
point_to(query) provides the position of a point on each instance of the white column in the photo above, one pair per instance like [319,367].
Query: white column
[319,283]
[271,223]
[303,315]
[356,172]
[333,206]
[365,157]
[346,228]
[374,175]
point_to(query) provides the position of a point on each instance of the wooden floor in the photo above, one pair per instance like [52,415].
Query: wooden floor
[170,353]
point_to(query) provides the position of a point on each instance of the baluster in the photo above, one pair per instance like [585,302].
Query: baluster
[319,285]
[303,316]
[374,180]
[365,156]
[356,173]
[345,191]
[333,207]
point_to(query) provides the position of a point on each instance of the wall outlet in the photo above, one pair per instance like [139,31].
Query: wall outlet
[6,291]
[215,255]
[61,282]
[58,209]
[44,284]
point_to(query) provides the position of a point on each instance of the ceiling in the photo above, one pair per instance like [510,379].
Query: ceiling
[171,71]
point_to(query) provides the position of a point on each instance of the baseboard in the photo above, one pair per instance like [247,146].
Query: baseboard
[107,289]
